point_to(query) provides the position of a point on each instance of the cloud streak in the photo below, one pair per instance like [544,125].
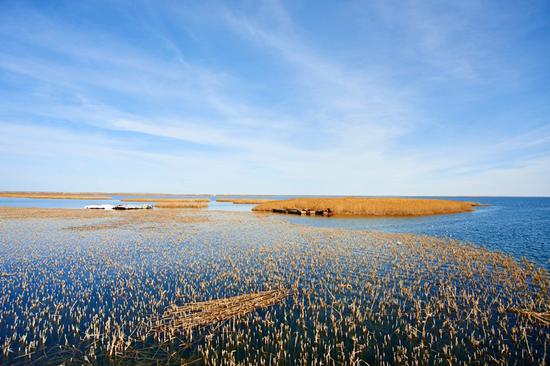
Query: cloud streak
[249,101]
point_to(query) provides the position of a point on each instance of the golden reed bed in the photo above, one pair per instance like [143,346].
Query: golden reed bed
[56,195]
[352,206]
[243,200]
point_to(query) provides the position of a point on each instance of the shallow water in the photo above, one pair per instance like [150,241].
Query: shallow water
[72,288]
[72,203]
[517,226]
[52,203]
[213,205]
[514,225]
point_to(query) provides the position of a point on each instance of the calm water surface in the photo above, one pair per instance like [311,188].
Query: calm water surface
[71,203]
[518,226]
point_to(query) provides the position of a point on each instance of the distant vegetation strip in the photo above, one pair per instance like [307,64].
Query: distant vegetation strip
[165,200]
[56,195]
[54,213]
[351,206]
[160,194]
[181,204]
[243,200]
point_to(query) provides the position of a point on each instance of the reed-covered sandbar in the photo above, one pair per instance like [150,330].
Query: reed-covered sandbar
[180,286]
[376,207]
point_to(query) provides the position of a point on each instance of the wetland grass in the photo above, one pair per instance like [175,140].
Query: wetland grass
[25,213]
[110,219]
[185,318]
[97,296]
[542,317]
[377,207]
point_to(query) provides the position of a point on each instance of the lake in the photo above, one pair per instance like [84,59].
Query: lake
[112,288]
[519,226]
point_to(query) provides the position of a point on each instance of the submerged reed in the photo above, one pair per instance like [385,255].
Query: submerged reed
[97,296]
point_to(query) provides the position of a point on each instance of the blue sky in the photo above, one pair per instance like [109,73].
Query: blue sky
[337,97]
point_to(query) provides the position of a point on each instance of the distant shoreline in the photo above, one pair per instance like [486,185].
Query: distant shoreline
[109,195]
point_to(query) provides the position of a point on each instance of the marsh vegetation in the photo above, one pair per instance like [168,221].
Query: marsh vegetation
[127,288]
[359,206]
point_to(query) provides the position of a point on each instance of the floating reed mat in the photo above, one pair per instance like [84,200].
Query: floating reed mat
[540,317]
[185,318]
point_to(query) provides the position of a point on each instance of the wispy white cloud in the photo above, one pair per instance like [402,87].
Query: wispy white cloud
[335,127]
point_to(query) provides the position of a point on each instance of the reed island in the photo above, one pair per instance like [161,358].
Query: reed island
[359,206]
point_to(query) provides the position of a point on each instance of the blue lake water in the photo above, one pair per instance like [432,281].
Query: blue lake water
[52,203]
[514,225]
[72,203]
[517,226]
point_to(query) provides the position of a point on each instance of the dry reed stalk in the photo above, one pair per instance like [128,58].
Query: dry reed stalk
[352,206]
[180,319]
[181,204]
[541,317]
[125,219]
[122,218]
[165,200]
[10,213]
